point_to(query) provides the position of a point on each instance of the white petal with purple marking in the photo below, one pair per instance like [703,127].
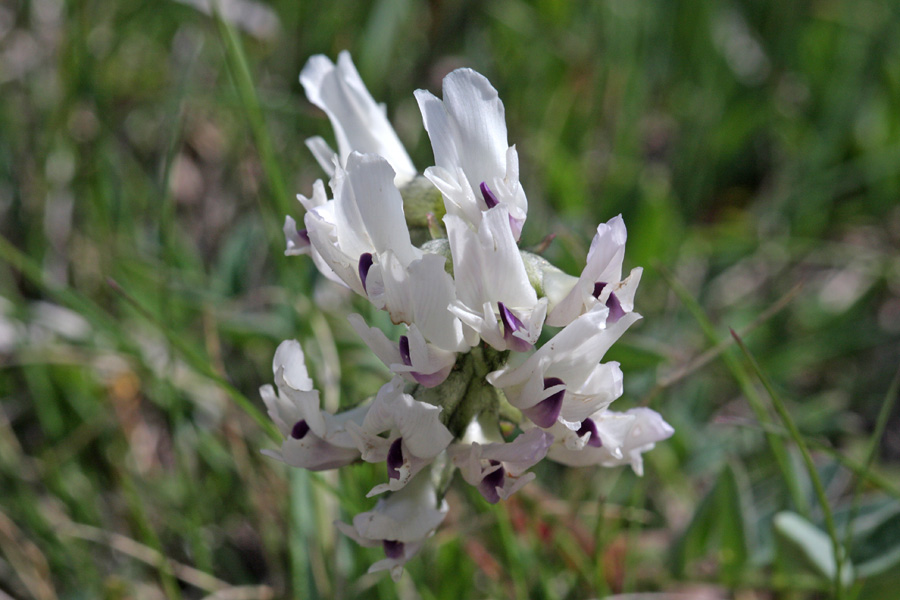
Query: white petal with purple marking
[573,358]
[600,281]
[498,468]
[397,416]
[469,139]
[625,436]
[404,520]
[314,439]
[488,270]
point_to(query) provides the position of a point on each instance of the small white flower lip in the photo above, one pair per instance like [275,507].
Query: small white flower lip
[488,270]
[414,435]
[296,240]
[360,237]
[423,363]
[571,358]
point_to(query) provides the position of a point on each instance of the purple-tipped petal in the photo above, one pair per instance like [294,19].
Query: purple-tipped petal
[489,198]
[588,426]
[404,350]
[616,311]
[300,429]
[430,380]
[550,382]
[511,324]
[365,263]
[395,459]
[303,234]
[490,483]
[392,549]
[544,413]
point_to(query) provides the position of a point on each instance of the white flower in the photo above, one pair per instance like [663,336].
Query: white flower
[565,379]
[314,439]
[411,357]
[399,523]
[363,222]
[414,435]
[600,281]
[622,438]
[498,469]
[360,239]
[359,123]
[495,298]
[475,168]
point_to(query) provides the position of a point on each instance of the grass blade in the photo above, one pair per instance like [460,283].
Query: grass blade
[201,365]
[795,434]
[239,68]
[782,458]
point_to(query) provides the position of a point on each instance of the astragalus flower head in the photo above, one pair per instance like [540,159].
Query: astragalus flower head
[472,389]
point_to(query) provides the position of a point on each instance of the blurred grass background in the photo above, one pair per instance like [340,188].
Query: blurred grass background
[148,154]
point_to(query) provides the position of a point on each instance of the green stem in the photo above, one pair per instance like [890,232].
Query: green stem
[884,414]
[795,434]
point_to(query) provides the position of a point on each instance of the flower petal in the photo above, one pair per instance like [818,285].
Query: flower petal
[359,123]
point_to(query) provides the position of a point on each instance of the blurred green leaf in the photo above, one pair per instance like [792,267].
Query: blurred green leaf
[800,544]
[718,527]
[877,548]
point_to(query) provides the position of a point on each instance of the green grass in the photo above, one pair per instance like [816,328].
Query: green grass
[149,152]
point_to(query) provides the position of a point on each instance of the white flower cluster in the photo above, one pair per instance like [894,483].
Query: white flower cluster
[472,306]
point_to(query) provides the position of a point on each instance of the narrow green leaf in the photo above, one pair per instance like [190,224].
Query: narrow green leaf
[302,534]
[887,408]
[790,476]
[719,526]
[878,549]
[246,89]
[785,415]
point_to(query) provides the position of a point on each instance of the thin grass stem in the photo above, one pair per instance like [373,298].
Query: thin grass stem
[795,434]
[782,458]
